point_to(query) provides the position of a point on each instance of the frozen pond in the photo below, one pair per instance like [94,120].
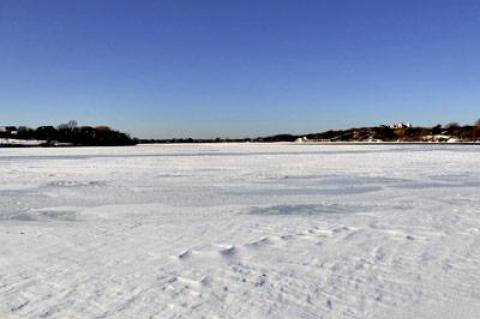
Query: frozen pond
[240,231]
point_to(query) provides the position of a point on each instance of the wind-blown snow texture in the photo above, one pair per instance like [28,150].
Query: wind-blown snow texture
[240,231]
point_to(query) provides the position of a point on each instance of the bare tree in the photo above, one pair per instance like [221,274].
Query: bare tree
[72,124]
[452,125]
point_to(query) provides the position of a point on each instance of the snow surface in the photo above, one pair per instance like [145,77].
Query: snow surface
[13,141]
[240,231]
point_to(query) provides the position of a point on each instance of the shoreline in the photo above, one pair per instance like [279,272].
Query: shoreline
[289,143]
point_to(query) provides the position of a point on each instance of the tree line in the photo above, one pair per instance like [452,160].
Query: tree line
[69,134]
[386,133]
[72,134]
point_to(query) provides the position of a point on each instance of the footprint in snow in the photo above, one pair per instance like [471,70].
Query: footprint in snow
[228,251]
[286,237]
[264,241]
[185,254]
[261,280]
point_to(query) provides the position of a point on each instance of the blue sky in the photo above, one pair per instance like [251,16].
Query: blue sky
[238,68]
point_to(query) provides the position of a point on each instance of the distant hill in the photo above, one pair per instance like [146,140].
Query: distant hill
[69,134]
[400,133]
[384,133]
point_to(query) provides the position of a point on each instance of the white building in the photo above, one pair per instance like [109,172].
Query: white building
[400,125]
[301,140]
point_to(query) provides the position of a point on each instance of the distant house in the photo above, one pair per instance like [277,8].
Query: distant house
[7,131]
[301,140]
[400,125]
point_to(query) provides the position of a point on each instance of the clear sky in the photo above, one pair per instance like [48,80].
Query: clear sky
[208,68]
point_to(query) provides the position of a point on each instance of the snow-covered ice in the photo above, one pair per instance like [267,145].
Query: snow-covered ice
[240,231]
[12,141]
